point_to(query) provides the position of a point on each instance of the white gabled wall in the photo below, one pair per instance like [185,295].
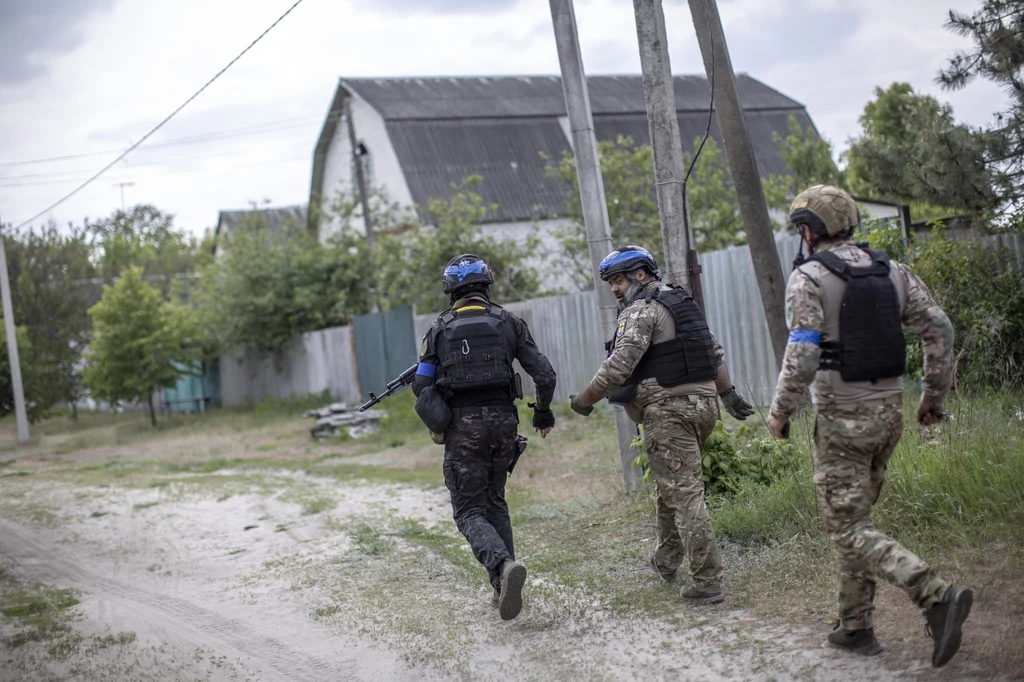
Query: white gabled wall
[386,171]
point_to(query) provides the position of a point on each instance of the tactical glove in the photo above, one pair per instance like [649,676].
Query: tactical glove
[735,405]
[543,419]
[574,403]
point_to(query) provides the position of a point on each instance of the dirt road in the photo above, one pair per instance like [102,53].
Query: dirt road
[236,549]
[243,587]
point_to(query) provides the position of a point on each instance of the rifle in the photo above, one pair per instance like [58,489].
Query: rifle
[395,385]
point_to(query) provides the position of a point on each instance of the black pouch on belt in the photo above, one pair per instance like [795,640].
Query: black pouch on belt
[433,410]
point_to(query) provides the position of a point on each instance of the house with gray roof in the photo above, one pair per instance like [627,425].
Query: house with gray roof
[283,219]
[418,136]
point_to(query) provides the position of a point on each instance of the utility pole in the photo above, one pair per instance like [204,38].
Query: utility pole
[595,210]
[743,168]
[357,160]
[669,178]
[12,346]
[122,185]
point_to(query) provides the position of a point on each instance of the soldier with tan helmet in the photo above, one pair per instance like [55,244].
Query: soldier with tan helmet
[845,307]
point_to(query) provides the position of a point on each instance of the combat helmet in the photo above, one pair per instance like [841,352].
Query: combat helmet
[627,259]
[828,210]
[465,270]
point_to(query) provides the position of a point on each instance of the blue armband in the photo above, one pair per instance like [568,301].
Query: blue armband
[805,336]
[425,370]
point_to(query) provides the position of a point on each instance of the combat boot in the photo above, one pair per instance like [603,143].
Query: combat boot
[944,623]
[695,596]
[510,600]
[666,576]
[861,642]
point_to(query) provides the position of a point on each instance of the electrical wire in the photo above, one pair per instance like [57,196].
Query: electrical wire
[711,107]
[254,129]
[161,123]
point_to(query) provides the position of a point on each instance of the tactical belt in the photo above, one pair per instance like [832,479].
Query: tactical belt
[871,402]
[483,409]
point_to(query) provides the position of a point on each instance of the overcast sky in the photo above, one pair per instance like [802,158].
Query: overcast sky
[86,78]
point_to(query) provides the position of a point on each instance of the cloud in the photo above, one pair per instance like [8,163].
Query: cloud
[33,33]
[405,7]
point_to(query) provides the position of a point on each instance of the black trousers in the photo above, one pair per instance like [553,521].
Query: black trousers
[479,446]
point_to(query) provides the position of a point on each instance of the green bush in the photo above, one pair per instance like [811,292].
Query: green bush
[730,459]
[981,289]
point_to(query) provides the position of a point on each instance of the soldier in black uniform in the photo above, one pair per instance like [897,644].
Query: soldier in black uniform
[467,357]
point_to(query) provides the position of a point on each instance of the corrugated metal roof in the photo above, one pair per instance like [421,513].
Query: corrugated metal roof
[505,152]
[761,125]
[446,98]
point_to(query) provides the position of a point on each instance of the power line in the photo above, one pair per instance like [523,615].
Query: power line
[254,129]
[66,181]
[161,123]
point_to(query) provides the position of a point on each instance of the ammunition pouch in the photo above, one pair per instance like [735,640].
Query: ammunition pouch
[517,387]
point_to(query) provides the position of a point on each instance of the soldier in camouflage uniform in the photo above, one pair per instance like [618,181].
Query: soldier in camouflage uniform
[856,384]
[466,356]
[666,368]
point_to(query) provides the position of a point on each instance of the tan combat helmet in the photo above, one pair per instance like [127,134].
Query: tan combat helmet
[833,206]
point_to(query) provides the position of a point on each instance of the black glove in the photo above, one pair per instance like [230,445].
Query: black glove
[735,405]
[574,403]
[543,419]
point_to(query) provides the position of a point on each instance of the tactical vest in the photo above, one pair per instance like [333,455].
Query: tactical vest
[687,358]
[871,345]
[474,349]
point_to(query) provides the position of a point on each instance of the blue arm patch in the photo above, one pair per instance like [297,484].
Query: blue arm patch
[425,370]
[805,336]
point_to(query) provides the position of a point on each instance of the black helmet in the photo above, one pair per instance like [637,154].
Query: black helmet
[627,259]
[465,270]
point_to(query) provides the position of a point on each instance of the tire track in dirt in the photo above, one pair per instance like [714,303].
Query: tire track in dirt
[277,644]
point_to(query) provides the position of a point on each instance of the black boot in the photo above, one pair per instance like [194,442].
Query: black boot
[861,642]
[945,621]
[510,600]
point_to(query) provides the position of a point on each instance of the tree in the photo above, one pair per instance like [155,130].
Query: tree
[810,161]
[627,170]
[27,375]
[409,264]
[142,237]
[140,343]
[268,285]
[628,174]
[997,31]
[714,208]
[49,289]
[913,150]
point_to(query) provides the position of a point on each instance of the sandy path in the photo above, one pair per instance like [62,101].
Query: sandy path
[184,573]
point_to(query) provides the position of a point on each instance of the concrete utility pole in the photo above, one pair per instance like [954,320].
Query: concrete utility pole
[595,210]
[357,160]
[12,346]
[659,93]
[743,167]
[122,185]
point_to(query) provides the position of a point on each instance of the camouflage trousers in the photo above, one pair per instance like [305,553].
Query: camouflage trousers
[479,446]
[853,443]
[675,431]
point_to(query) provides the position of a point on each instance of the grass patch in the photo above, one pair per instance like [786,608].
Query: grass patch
[369,540]
[144,505]
[37,613]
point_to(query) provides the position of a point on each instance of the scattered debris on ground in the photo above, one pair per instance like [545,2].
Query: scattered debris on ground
[331,418]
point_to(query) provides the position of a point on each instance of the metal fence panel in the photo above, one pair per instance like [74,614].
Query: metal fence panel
[385,346]
[310,363]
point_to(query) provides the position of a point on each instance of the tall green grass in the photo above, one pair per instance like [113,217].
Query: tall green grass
[965,485]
